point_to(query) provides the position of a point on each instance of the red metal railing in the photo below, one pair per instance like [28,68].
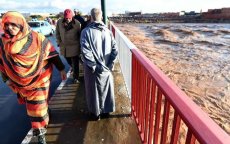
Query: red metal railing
[113,31]
[165,114]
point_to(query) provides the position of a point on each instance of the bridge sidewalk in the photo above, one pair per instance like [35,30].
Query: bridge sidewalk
[70,123]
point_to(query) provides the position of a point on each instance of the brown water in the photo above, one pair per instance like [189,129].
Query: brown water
[195,56]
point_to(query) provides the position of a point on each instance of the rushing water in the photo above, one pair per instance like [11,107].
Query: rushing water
[195,56]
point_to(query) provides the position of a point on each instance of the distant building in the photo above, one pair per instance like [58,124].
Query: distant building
[132,14]
[223,14]
[213,15]
[170,15]
[189,14]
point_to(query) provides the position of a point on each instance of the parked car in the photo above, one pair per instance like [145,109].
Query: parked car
[42,27]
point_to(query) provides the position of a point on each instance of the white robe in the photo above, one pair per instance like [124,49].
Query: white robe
[99,52]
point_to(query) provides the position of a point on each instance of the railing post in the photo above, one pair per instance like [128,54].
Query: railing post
[103,9]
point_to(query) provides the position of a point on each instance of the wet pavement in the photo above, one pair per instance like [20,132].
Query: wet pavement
[70,122]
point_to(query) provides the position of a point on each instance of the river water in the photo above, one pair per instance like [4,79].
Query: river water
[195,56]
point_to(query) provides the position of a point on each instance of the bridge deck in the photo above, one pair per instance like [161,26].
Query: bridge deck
[70,123]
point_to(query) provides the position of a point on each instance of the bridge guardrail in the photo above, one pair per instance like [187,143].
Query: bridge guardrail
[163,113]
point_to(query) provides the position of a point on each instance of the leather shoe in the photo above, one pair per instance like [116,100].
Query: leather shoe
[93,117]
[105,115]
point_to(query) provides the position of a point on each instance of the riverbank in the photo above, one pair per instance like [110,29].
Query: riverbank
[166,20]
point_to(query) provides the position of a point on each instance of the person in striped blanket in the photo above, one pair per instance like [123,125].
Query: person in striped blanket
[26,64]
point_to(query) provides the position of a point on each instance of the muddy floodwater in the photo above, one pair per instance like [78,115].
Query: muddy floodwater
[195,56]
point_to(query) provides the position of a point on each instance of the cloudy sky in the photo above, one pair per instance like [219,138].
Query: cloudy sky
[112,6]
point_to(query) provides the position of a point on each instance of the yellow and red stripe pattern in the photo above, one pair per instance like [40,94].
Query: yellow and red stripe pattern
[24,60]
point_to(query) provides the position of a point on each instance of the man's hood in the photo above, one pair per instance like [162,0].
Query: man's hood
[98,25]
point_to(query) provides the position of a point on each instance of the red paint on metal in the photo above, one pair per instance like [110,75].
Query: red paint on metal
[165,122]
[152,108]
[113,30]
[158,116]
[147,111]
[190,138]
[195,119]
[201,127]
[176,128]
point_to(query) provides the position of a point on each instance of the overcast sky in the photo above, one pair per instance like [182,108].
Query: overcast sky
[112,6]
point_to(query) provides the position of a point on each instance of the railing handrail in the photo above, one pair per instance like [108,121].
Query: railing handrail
[206,130]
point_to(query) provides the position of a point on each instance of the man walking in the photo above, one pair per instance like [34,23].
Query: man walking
[78,17]
[99,52]
[68,38]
